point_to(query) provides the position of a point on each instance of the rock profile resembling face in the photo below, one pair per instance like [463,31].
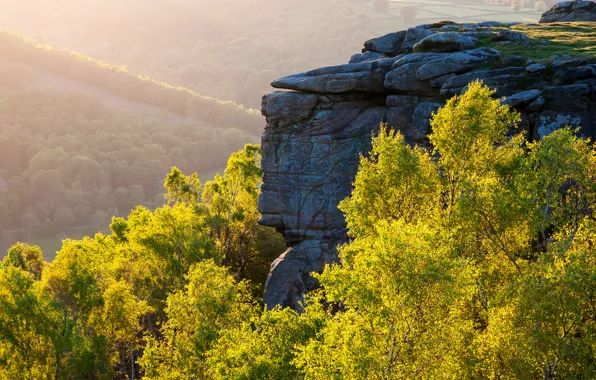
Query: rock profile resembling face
[317,131]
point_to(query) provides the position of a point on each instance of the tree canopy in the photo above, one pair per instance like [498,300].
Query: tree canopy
[470,260]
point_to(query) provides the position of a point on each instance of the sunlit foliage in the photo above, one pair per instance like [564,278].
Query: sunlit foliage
[471,260]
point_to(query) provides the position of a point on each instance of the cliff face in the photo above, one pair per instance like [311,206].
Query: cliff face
[316,131]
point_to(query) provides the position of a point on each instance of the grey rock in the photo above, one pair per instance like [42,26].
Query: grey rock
[550,121]
[505,85]
[479,34]
[420,58]
[389,44]
[409,101]
[421,121]
[413,36]
[523,97]
[516,37]
[515,60]
[576,74]
[568,11]
[445,42]
[455,85]
[438,82]
[353,77]
[570,97]
[535,68]
[441,24]
[457,63]
[536,105]
[308,169]
[286,108]
[366,57]
[289,278]
[404,79]
[491,24]
[564,63]
[451,27]
[367,81]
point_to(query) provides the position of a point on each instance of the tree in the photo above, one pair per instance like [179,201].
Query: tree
[211,303]
[472,260]
[26,257]
[25,336]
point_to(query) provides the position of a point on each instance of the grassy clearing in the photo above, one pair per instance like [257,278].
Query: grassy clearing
[574,39]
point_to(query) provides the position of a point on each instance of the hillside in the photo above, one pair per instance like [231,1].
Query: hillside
[226,48]
[82,140]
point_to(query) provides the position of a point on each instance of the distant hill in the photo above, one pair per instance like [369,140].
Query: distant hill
[83,140]
[224,48]
[231,49]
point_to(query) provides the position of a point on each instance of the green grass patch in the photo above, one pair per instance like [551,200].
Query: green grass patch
[574,39]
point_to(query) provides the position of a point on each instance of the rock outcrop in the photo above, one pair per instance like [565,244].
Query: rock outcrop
[567,11]
[316,131]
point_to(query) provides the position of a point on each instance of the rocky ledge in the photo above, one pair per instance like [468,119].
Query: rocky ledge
[571,11]
[317,130]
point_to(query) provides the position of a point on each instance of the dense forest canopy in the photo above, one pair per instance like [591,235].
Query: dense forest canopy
[82,140]
[473,260]
[91,311]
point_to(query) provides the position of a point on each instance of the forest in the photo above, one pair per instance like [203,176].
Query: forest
[480,266]
[82,140]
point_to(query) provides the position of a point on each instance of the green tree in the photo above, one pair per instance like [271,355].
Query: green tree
[26,257]
[197,316]
[465,262]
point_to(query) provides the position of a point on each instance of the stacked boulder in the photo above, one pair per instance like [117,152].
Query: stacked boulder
[571,11]
[322,122]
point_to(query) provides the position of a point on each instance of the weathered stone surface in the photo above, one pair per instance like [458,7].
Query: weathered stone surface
[457,63]
[515,60]
[403,79]
[389,44]
[561,65]
[308,169]
[445,42]
[573,96]
[440,24]
[439,81]
[334,83]
[535,68]
[574,75]
[421,121]
[491,24]
[522,98]
[568,11]
[455,85]
[290,275]
[286,108]
[536,105]
[413,36]
[352,77]
[509,35]
[549,121]
[313,139]
[366,57]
